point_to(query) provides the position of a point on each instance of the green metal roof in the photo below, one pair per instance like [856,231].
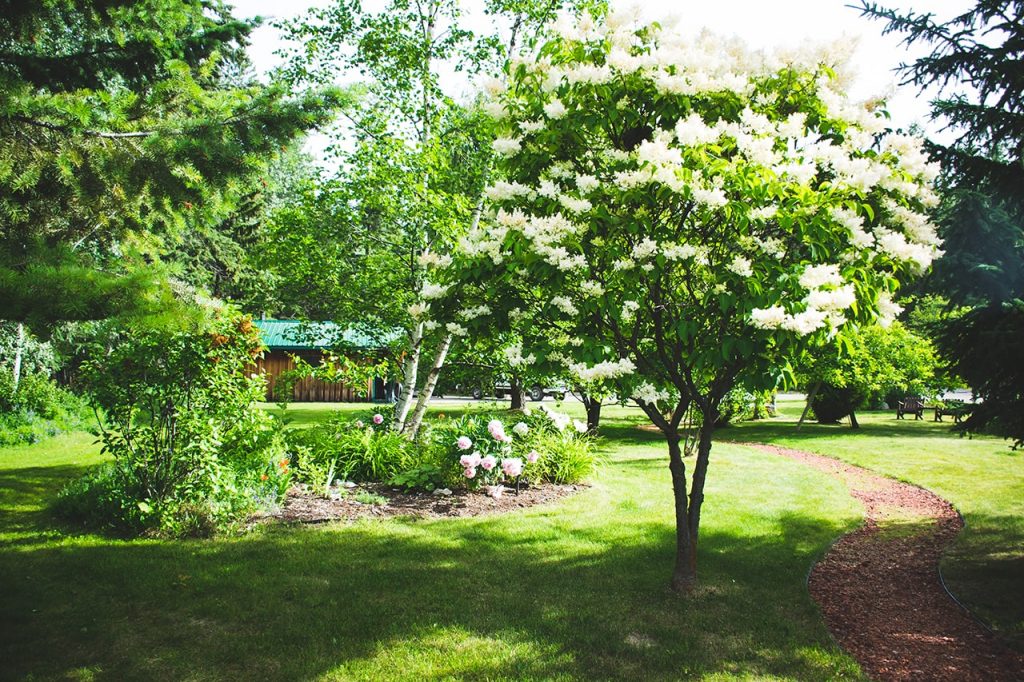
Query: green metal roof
[300,335]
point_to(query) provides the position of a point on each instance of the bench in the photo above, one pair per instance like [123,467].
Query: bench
[910,405]
[956,409]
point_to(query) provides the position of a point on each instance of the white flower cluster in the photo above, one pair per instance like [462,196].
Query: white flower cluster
[828,296]
[603,370]
[629,309]
[431,291]
[418,310]
[647,393]
[514,356]
[859,237]
[888,310]
[429,259]
[741,266]
[506,146]
[560,420]
[574,204]
[555,109]
[679,251]
[591,288]
[504,191]
[817,276]
[474,312]
[456,329]
[564,304]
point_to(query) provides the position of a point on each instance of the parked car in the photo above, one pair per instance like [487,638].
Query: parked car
[536,392]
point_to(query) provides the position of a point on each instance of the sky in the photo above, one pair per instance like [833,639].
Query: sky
[760,23]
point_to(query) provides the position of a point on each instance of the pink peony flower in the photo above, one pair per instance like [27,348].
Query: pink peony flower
[488,462]
[470,472]
[464,443]
[496,429]
[512,466]
[378,419]
[532,456]
[470,461]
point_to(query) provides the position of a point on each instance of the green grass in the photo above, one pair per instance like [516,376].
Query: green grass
[573,590]
[982,477]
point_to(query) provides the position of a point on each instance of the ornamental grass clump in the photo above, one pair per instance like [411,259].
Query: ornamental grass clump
[364,449]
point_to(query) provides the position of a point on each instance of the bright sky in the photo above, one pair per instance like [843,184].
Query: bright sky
[760,23]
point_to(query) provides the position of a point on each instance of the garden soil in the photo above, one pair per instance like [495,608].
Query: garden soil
[302,506]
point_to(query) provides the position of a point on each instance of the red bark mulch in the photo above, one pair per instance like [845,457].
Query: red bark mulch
[880,592]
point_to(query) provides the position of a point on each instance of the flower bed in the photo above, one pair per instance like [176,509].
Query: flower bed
[304,506]
[474,453]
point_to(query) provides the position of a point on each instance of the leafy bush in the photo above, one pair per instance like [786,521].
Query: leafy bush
[426,477]
[869,366]
[832,403]
[39,409]
[192,454]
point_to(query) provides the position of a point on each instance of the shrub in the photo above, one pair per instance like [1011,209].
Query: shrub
[192,454]
[832,403]
[39,409]
[737,405]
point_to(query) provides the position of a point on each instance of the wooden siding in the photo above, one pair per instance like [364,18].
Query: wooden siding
[274,362]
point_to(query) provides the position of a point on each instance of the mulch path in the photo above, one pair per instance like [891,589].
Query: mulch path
[879,587]
[302,506]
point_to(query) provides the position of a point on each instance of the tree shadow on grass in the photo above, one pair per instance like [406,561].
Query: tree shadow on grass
[873,425]
[24,496]
[487,598]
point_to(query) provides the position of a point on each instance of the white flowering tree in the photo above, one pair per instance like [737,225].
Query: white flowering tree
[692,214]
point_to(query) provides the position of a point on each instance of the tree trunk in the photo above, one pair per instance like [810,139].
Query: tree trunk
[19,348]
[684,576]
[700,473]
[518,393]
[807,407]
[413,427]
[853,420]
[410,369]
[593,407]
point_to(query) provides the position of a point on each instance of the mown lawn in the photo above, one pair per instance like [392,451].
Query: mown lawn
[575,590]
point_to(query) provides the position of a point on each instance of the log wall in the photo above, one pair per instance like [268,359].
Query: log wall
[275,362]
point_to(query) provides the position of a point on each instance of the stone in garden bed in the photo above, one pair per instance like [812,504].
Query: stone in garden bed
[302,506]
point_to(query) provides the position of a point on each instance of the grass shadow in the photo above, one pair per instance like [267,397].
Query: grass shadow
[361,601]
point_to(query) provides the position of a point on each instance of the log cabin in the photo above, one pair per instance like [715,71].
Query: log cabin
[311,341]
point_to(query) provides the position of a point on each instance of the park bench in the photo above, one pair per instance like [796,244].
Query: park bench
[910,405]
[956,409]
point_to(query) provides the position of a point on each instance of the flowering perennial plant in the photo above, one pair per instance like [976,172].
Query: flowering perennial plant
[491,461]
